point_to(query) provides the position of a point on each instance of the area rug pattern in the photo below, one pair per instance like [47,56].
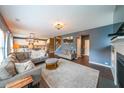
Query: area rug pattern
[70,75]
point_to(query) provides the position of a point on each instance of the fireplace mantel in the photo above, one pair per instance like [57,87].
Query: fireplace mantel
[118,44]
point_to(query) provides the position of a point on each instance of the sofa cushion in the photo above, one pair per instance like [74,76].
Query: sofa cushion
[20,56]
[23,61]
[35,54]
[12,58]
[37,60]
[9,65]
[7,70]
[27,55]
[43,53]
[12,55]
[4,74]
[22,67]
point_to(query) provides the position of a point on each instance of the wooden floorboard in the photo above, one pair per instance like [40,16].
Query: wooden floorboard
[104,71]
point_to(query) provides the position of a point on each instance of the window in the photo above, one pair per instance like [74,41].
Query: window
[11,43]
[1,45]
[6,44]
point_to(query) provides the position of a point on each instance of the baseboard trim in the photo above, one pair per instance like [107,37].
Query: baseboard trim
[100,64]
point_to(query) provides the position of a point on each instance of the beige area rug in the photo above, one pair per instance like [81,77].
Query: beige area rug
[70,75]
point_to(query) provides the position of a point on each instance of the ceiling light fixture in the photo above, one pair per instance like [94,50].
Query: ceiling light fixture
[59,26]
[31,38]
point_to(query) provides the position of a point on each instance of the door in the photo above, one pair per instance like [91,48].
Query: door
[79,47]
[1,46]
[86,47]
[85,43]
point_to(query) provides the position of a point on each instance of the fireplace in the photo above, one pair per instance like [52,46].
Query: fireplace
[120,70]
[117,56]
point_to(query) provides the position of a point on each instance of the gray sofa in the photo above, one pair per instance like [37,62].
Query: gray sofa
[21,56]
[38,55]
[65,53]
[35,72]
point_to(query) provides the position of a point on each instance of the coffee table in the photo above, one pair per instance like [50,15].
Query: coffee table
[20,83]
[51,63]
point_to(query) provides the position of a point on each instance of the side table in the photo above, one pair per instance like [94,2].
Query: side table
[20,83]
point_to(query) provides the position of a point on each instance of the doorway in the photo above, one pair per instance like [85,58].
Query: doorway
[79,47]
[83,46]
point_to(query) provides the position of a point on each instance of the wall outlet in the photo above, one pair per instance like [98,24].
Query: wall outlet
[106,63]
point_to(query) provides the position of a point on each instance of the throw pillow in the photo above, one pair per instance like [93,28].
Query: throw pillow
[43,54]
[12,58]
[9,66]
[22,67]
[12,55]
[3,72]
[21,56]
[36,54]
[27,55]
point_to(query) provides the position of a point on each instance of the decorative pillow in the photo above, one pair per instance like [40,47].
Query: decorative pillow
[36,54]
[22,67]
[12,55]
[11,58]
[43,54]
[27,55]
[20,56]
[9,66]
[4,74]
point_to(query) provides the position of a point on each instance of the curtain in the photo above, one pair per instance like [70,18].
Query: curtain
[8,43]
[6,40]
[11,43]
[4,44]
[1,45]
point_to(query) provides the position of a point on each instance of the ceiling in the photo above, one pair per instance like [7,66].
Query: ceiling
[24,19]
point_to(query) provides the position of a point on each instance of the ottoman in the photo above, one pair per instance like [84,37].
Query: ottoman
[51,63]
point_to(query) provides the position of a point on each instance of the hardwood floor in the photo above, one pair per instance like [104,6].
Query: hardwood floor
[105,77]
[104,71]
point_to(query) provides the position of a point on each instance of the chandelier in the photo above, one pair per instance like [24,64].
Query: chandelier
[31,38]
[59,26]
